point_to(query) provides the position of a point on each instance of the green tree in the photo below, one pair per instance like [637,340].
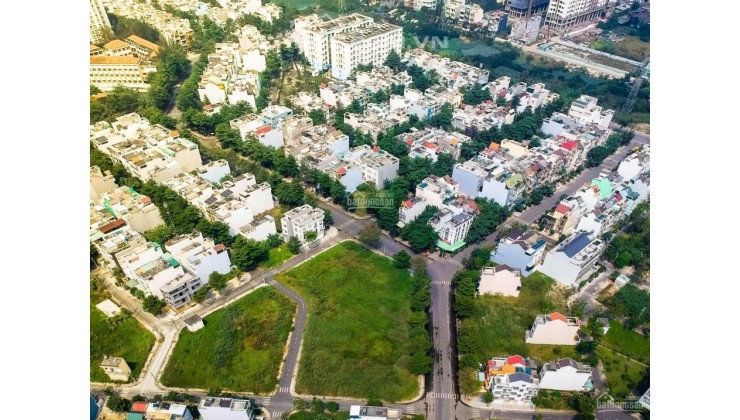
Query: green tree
[332,406]
[596,156]
[246,253]
[153,305]
[488,397]
[374,402]
[328,218]
[318,116]
[311,236]
[201,294]
[294,245]
[369,234]
[402,259]
[217,281]
[118,404]
[393,60]
[623,259]
[290,193]
[418,265]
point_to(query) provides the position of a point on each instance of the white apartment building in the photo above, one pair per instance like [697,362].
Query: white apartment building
[635,164]
[99,23]
[453,74]
[137,210]
[451,227]
[174,30]
[300,220]
[316,38]
[500,279]
[562,14]
[565,375]
[100,183]
[200,255]
[554,329]
[572,258]
[226,80]
[585,111]
[366,45]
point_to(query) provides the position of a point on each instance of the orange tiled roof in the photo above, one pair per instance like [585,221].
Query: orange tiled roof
[113,60]
[115,44]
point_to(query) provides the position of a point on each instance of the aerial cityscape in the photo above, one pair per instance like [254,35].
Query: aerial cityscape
[393,209]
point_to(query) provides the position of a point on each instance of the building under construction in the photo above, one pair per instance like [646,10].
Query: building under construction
[522,8]
[563,14]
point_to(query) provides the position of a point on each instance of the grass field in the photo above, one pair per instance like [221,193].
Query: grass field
[630,47]
[627,342]
[355,343]
[622,374]
[276,257]
[124,337]
[240,348]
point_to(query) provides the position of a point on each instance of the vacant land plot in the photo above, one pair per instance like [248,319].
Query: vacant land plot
[120,336]
[239,349]
[276,257]
[630,47]
[627,342]
[503,320]
[622,374]
[357,337]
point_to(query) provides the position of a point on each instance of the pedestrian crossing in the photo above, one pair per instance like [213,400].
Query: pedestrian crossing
[284,389]
[442,282]
[272,282]
[265,401]
[441,395]
[277,414]
[410,409]
[474,413]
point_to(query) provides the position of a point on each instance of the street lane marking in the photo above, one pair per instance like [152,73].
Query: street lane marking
[441,395]
[284,389]
[442,282]
[411,409]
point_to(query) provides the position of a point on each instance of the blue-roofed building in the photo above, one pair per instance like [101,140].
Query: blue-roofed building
[94,409]
[521,251]
[572,258]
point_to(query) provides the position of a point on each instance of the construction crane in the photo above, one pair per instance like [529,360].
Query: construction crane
[642,72]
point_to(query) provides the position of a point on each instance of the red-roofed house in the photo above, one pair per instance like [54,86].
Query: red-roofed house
[568,145]
[139,407]
[515,360]
[562,208]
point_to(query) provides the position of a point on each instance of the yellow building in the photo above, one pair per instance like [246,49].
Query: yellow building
[116,368]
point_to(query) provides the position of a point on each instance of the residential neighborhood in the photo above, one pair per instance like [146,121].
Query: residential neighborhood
[401,209]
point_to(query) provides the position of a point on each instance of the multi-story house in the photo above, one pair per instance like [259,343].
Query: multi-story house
[554,329]
[512,381]
[215,408]
[500,279]
[572,258]
[300,220]
[566,375]
[100,183]
[585,111]
[137,210]
[200,255]
[522,251]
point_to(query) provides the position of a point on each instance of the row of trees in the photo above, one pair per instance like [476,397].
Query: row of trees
[596,155]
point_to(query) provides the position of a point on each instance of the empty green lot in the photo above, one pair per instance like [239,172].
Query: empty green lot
[120,336]
[239,349]
[627,342]
[357,336]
